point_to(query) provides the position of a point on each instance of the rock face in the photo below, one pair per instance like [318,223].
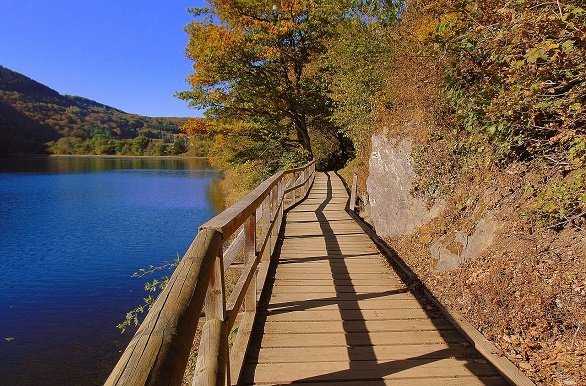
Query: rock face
[394,211]
[463,246]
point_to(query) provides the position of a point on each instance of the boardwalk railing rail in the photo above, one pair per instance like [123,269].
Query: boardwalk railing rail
[159,351]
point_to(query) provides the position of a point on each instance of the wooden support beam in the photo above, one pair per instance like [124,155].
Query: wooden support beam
[233,250]
[241,345]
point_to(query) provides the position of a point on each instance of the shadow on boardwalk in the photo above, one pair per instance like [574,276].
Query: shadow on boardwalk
[362,364]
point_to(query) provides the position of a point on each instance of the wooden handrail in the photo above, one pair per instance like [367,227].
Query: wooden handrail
[159,351]
[155,353]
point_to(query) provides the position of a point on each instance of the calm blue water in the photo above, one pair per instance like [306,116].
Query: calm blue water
[72,232]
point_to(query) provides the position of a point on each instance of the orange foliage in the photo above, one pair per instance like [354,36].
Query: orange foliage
[196,126]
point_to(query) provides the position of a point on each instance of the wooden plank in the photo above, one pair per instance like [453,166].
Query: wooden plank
[336,314]
[353,192]
[213,371]
[291,255]
[327,290]
[332,304]
[318,327]
[443,381]
[378,353]
[295,275]
[249,257]
[335,263]
[390,283]
[215,305]
[366,370]
[234,250]
[383,296]
[348,270]
[388,338]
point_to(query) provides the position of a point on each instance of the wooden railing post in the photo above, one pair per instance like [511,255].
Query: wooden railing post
[215,307]
[353,192]
[282,198]
[211,367]
[271,207]
[294,192]
[265,224]
[249,257]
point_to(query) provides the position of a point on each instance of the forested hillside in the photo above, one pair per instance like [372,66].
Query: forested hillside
[473,112]
[32,114]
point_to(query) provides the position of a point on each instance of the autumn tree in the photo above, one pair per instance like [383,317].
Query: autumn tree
[255,73]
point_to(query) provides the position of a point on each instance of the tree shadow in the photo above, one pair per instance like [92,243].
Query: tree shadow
[363,364]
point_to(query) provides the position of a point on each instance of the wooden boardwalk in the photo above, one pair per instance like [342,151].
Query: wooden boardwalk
[333,312]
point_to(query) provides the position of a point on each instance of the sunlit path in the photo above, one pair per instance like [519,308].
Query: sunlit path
[333,311]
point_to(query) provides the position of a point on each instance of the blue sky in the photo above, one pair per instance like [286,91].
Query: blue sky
[129,54]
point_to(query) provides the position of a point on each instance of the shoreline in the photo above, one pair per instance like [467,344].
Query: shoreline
[116,156]
[17,156]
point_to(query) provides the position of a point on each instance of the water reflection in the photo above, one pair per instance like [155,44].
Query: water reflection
[72,232]
[216,197]
[80,164]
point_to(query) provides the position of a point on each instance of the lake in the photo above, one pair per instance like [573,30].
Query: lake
[73,230]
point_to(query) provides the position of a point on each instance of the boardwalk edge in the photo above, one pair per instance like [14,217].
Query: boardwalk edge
[487,349]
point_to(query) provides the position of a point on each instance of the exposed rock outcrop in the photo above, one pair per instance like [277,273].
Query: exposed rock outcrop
[394,210]
[449,254]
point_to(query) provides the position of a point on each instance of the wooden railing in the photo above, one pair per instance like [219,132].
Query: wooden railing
[159,351]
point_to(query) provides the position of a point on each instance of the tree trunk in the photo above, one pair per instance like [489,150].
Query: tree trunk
[303,136]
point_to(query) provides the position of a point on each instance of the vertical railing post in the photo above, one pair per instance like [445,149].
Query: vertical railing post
[265,224]
[290,194]
[294,192]
[303,191]
[282,198]
[299,176]
[270,220]
[250,250]
[215,307]
[353,192]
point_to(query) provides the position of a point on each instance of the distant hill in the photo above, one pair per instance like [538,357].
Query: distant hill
[32,114]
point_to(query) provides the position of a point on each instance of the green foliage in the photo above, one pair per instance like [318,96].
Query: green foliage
[559,203]
[32,114]
[358,64]
[517,75]
[101,144]
[153,287]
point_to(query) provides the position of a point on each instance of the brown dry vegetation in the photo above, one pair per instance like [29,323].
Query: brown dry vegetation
[527,292]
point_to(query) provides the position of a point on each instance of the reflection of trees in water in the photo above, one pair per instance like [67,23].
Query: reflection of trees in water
[199,167]
[216,196]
